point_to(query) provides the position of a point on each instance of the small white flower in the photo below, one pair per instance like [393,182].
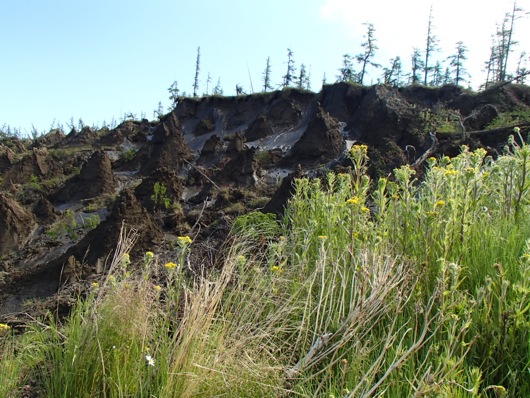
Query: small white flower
[150,360]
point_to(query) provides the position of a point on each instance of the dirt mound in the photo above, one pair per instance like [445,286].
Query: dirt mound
[322,140]
[167,148]
[16,224]
[95,178]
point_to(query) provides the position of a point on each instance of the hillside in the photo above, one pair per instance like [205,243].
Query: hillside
[65,197]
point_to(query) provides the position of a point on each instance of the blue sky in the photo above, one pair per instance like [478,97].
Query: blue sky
[100,59]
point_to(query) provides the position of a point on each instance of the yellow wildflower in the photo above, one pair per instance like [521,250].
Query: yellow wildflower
[275,268]
[184,240]
[365,209]
[322,237]
[241,260]
[149,255]
[451,172]
[170,265]
[158,288]
[4,327]
[357,150]
[439,203]
[354,201]
[95,285]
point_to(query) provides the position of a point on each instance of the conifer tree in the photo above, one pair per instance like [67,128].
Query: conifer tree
[197,69]
[392,75]
[437,76]
[416,65]
[267,85]
[490,66]
[507,38]
[522,71]
[431,46]
[370,47]
[302,77]
[457,62]
[174,93]
[208,81]
[217,90]
[346,73]
[289,78]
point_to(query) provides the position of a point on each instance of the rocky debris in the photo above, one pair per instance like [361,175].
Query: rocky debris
[95,178]
[16,224]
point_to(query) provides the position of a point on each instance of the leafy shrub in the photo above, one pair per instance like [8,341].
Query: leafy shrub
[159,196]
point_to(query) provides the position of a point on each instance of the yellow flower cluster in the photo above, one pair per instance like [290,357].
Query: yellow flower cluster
[439,203]
[322,237]
[184,240]
[170,265]
[149,255]
[355,201]
[359,150]
[4,327]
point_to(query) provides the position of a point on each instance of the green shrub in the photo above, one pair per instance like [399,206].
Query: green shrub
[159,196]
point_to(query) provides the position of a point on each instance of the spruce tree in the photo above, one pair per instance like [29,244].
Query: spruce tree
[392,75]
[346,73]
[289,78]
[457,62]
[197,69]
[370,47]
[267,76]
[416,66]
[431,46]
[218,90]
[174,93]
[302,77]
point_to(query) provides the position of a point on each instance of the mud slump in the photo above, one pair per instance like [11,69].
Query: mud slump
[65,197]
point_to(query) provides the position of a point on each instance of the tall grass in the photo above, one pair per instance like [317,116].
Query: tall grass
[395,287]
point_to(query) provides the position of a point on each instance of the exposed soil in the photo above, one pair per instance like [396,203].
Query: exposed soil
[200,166]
